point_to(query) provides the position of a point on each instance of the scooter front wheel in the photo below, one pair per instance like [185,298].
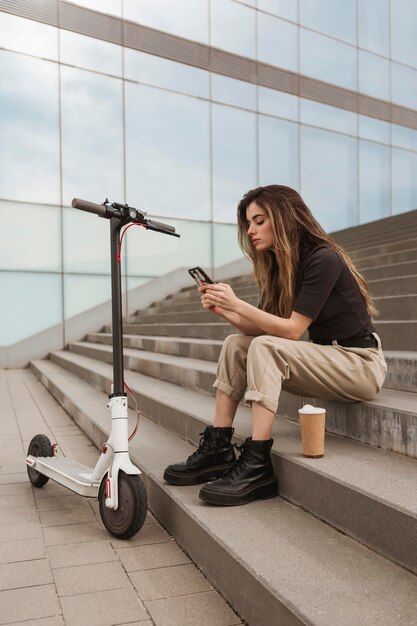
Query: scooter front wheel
[130,515]
[39,446]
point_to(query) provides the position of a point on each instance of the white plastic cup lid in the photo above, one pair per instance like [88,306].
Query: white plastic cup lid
[311,410]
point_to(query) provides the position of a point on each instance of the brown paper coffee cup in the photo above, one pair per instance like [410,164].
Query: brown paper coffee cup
[312,425]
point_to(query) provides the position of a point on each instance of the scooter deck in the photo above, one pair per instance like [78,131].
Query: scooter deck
[67,472]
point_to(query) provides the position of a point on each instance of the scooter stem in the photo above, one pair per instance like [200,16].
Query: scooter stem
[117,322]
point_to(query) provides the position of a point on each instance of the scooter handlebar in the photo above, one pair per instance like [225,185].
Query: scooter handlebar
[161,225]
[90,207]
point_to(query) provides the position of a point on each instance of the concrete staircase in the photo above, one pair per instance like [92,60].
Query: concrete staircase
[339,547]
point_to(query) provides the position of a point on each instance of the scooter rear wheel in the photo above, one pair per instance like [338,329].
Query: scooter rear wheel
[130,515]
[39,446]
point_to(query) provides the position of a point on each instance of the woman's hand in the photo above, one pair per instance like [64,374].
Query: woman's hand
[219,296]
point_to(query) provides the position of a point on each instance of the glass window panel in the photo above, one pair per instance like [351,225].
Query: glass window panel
[278,152]
[29,137]
[153,254]
[329,177]
[404,85]
[113,7]
[17,33]
[34,303]
[134,281]
[327,116]
[277,103]
[30,237]
[371,128]
[277,42]
[186,18]
[153,70]
[404,31]
[327,59]
[334,18]
[92,54]
[233,27]
[374,25]
[404,180]
[373,75]
[374,181]
[282,8]
[404,137]
[233,91]
[85,292]
[86,243]
[225,246]
[167,152]
[92,136]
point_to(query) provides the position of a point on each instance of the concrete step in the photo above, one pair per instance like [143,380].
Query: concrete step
[214,330]
[385,247]
[357,241]
[396,307]
[350,479]
[408,268]
[374,422]
[402,370]
[386,224]
[397,334]
[399,286]
[387,259]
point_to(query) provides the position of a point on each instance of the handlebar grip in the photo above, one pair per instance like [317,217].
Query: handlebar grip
[170,229]
[90,207]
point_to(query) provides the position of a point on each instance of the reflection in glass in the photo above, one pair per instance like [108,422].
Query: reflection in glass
[318,114]
[231,91]
[404,85]
[30,237]
[404,137]
[234,159]
[186,18]
[153,70]
[277,42]
[404,31]
[278,152]
[373,25]
[373,75]
[328,177]
[277,103]
[86,243]
[92,54]
[92,136]
[153,254]
[374,181]
[404,180]
[17,33]
[29,158]
[39,294]
[327,59]
[334,18]
[371,128]
[85,292]
[167,152]
[233,27]
[282,8]
[225,246]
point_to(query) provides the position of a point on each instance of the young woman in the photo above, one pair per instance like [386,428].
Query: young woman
[306,281]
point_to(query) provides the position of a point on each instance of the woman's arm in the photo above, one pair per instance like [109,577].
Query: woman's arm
[245,315]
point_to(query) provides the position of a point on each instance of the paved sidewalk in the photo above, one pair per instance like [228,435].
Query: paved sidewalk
[58,565]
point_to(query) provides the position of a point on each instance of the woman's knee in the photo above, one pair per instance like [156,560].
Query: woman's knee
[235,343]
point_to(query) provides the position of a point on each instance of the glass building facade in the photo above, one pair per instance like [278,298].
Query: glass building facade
[209,99]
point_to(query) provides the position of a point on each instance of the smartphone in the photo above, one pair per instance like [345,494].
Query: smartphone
[200,277]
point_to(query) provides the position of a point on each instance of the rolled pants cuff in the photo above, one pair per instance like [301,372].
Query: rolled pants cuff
[228,390]
[266,401]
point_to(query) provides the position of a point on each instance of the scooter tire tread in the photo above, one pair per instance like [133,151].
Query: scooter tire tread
[41,445]
[140,503]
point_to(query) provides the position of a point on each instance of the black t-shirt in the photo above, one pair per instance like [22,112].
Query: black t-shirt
[327,292]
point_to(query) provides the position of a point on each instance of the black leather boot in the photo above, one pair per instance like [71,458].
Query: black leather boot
[214,455]
[251,477]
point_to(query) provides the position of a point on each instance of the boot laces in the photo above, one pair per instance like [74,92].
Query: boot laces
[241,462]
[202,446]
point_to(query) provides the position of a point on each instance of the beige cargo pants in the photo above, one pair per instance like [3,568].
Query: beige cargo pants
[262,366]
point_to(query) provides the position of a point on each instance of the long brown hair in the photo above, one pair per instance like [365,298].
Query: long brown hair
[292,222]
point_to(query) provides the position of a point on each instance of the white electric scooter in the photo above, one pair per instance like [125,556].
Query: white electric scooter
[115,481]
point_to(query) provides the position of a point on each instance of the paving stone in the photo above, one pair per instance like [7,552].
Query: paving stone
[167,582]
[51,489]
[18,477]
[29,603]
[150,557]
[84,553]
[20,513]
[199,609]
[47,621]
[58,503]
[23,550]
[66,516]
[73,533]
[90,578]
[15,500]
[16,489]
[105,608]
[20,530]
[16,575]
[149,533]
